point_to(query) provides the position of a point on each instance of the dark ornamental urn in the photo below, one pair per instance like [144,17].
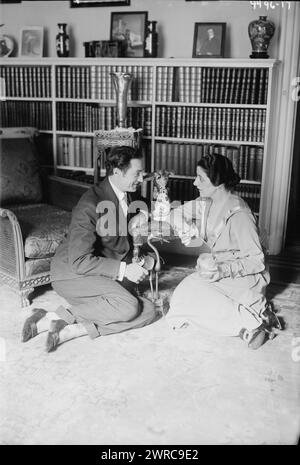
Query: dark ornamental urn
[260,33]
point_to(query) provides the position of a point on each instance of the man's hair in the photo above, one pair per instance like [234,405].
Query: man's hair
[219,169]
[120,156]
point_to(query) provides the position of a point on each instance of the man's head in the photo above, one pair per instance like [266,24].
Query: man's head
[210,33]
[125,167]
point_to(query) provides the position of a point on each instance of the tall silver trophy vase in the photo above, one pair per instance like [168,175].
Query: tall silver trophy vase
[122,82]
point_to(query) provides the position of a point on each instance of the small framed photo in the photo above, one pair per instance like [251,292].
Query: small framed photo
[83,3]
[129,29]
[31,42]
[209,40]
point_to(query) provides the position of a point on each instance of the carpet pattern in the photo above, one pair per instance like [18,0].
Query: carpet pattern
[150,385]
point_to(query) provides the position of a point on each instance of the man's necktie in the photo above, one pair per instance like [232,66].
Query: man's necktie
[124,204]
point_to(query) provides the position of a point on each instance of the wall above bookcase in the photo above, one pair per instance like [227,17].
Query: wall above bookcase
[173,16]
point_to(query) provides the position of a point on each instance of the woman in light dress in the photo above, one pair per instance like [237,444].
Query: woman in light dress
[226,293]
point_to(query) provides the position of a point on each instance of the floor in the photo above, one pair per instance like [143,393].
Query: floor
[151,385]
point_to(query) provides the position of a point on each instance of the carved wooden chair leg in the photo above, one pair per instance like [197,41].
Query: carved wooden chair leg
[25,302]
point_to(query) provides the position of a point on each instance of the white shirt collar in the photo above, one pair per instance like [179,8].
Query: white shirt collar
[120,194]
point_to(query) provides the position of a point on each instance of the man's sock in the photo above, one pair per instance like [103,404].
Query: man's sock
[44,323]
[71,332]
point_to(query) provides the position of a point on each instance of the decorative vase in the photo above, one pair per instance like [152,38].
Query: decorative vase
[62,41]
[260,33]
[151,40]
[6,45]
[121,82]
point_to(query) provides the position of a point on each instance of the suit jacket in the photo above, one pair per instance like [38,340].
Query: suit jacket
[83,251]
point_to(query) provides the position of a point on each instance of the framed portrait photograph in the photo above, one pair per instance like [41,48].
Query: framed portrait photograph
[129,29]
[31,42]
[83,3]
[209,40]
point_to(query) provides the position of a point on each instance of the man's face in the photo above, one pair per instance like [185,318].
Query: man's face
[130,179]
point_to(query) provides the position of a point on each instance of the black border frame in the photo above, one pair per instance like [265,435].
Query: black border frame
[100,3]
[126,13]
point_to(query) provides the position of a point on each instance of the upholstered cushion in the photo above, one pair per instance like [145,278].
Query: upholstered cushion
[43,228]
[19,173]
[35,266]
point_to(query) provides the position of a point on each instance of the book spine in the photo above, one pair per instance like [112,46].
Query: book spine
[198,97]
[158,83]
[253,94]
[217,86]
[212,86]
[237,90]
[245,173]
[259,164]
[248,85]
[193,84]
[227,85]
[232,85]
[251,169]
[265,99]
[243,86]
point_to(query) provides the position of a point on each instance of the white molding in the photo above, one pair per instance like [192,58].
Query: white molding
[277,185]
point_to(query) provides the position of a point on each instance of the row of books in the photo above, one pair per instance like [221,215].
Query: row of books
[90,117]
[26,81]
[79,152]
[165,84]
[189,84]
[240,124]
[95,82]
[247,160]
[182,159]
[184,190]
[220,85]
[251,194]
[37,114]
[75,151]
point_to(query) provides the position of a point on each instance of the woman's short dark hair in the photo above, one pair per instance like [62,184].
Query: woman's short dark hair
[219,169]
[119,156]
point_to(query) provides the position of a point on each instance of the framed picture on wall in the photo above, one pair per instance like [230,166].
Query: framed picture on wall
[83,3]
[31,42]
[129,29]
[209,40]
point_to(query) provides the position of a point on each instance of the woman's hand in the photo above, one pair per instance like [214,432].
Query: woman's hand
[187,233]
[207,267]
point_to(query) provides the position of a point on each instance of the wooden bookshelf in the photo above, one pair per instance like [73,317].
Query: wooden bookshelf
[186,107]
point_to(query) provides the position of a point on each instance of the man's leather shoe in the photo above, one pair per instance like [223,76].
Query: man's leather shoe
[53,334]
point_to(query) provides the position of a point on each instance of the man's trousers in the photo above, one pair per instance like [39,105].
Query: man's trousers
[103,306]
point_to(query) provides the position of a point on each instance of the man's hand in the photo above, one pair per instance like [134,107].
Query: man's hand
[207,268]
[135,273]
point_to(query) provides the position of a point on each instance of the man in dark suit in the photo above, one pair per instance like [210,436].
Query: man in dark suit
[92,268]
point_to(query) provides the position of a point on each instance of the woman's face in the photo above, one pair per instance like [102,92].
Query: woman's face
[203,183]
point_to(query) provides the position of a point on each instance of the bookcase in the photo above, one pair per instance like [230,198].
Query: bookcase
[186,107]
